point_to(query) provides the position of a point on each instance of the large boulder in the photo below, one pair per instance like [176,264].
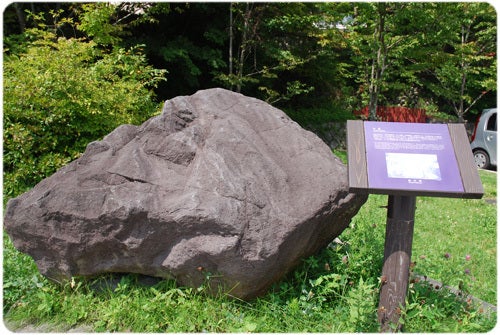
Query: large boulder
[218,187]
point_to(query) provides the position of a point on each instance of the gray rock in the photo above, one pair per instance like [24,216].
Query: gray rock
[219,188]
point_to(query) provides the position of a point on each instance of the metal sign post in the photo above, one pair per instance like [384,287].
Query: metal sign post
[405,160]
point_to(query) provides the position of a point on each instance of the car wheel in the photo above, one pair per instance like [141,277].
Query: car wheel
[482,159]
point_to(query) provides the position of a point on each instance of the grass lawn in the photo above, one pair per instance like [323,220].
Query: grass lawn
[455,241]
[333,291]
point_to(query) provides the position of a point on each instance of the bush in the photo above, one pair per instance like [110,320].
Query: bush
[319,116]
[60,94]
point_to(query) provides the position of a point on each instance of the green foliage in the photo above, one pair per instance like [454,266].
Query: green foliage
[187,57]
[292,89]
[20,277]
[468,264]
[447,51]
[342,154]
[319,116]
[60,94]
[298,55]
[96,22]
[261,64]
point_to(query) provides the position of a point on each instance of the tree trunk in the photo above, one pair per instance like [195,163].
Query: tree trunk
[463,64]
[378,63]
[243,47]
[373,91]
[231,39]
[20,16]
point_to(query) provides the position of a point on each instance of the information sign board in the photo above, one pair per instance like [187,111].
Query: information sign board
[399,158]
[411,156]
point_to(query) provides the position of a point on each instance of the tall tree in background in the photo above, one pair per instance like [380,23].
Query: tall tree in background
[188,39]
[464,68]
[376,41]
[379,58]
[258,50]
[446,50]
[244,24]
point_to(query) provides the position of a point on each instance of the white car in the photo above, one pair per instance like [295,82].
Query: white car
[484,139]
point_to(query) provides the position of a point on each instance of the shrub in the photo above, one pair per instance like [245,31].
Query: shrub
[60,94]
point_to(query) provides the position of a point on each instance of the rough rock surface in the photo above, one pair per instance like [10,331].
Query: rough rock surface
[219,186]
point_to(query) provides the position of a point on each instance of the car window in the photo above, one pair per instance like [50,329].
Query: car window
[492,122]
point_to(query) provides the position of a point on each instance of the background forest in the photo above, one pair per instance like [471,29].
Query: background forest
[75,71]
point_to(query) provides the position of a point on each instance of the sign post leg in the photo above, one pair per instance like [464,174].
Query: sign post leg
[397,258]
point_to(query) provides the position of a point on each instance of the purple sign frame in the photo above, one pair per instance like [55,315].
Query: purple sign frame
[411,156]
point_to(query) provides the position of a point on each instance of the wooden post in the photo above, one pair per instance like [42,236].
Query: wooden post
[397,258]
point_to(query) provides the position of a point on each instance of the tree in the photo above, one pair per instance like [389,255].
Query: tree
[464,70]
[444,52]
[272,42]
[15,16]
[189,39]
[377,42]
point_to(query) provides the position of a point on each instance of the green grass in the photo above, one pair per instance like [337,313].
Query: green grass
[455,242]
[333,291]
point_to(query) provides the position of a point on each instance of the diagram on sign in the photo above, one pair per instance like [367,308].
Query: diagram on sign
[411,157]
[412,166]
